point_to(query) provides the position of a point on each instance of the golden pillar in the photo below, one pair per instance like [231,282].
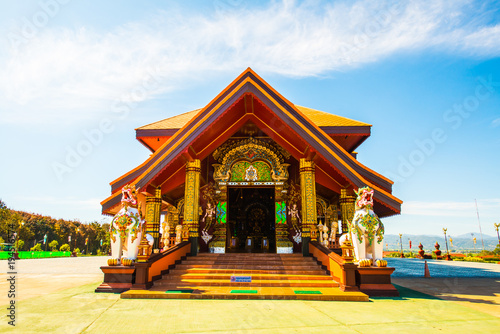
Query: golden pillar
[347,208]
[153,211]
[281,229]
[308,195]
[191,202]
[220,233]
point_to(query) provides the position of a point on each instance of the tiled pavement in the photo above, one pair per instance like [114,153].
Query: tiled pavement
[54,298]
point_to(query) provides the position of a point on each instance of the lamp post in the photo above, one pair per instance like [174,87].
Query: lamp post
[446,242]
[19,234]
[16,252]
[497,225]
[76,236]
[401,243]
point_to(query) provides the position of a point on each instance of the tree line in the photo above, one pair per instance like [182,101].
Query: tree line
[38,232]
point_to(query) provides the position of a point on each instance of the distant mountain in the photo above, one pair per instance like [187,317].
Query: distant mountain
[477,235]
[462,242]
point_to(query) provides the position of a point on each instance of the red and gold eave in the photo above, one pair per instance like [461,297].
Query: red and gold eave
[348,133]
[250,99]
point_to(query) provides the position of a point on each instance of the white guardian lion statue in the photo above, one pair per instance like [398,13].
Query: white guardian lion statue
[367,231]
[126,227]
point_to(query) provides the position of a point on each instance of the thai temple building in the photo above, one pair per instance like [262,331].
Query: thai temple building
[249,177]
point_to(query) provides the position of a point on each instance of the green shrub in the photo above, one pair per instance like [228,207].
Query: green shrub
[393,254]
[485,253]
[36,248]
[474,259]
[496,251]
[53,245]
[65,248]
[77,250]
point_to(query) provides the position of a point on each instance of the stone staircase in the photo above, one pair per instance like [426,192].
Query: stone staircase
[247,276]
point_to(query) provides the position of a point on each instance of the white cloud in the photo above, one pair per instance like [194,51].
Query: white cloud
[71,72]
[90,203]
[495,122]
[488,208]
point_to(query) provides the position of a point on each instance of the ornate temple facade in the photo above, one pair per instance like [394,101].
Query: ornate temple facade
[251,172]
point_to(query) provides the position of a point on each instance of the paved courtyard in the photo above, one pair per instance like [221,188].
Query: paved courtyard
[440,268]
[57,296]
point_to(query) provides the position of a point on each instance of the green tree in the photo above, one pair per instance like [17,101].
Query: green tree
[2,246]
[36,248]
[5,221]
[65,248]
[53,245]
[20,245]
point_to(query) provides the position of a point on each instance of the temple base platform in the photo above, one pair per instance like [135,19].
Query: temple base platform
[376,281]
[247,276]
[117,279]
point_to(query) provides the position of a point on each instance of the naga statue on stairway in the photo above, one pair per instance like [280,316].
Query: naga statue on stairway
[126,227]
[367,231]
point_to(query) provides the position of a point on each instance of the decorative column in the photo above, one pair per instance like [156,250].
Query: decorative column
[173,221]
[153,208]
[283,245]
[218,244]
[347,208]
[308,195]
[332,221]
[192,202]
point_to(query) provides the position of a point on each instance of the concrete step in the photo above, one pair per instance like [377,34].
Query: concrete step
[186,283]
[246,262]
[248,267]
[177,271]
[209,274]
[257,293]
[227,276]
[249,254]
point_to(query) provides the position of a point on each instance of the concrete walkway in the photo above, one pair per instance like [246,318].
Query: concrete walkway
[57,296]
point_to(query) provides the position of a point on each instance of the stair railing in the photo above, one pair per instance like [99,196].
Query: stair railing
[341,271]
[158,264]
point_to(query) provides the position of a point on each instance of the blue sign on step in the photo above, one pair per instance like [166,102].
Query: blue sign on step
[241,279]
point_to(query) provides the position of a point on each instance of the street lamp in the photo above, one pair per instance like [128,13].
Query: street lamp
[76,236]
[446,241]
[496,229]
[19,234]
[409,242]
[401,243]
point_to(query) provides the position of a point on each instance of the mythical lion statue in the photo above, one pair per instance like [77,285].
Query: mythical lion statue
[126,226]
[367,231]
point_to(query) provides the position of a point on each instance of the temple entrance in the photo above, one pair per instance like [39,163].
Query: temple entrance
[251,220]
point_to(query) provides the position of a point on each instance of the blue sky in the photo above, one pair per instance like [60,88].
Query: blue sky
[426,75]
